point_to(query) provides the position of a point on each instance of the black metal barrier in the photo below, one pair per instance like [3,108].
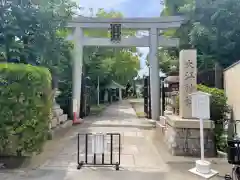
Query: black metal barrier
[99,147]
[147,98]
[163,98]
[145,95]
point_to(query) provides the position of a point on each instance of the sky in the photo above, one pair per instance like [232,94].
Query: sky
[129,8]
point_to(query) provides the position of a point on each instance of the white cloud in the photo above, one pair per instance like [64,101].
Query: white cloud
[145,72]
[91,7]
[144,51]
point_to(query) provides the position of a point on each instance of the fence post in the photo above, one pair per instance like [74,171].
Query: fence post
[145,95]
[163,97]
[149,101]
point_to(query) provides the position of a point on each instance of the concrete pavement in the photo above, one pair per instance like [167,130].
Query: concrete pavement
[140,158]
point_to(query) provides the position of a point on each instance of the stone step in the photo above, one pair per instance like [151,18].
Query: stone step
[59,129]
[54,123]
[57,112]
[57,121]
[63,118]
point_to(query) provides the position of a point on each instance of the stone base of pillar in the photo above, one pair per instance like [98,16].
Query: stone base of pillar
[59,122]
[57,113]
[182,136]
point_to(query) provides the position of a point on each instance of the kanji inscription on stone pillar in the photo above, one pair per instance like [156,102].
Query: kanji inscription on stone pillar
[187,81]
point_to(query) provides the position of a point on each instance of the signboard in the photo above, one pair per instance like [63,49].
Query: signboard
[201,109]
[98,143]
[201,105]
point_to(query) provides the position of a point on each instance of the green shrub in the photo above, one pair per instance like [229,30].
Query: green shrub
[25,108]
[218,109]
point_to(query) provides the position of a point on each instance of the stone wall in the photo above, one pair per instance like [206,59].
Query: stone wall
[58,117]
[185,141]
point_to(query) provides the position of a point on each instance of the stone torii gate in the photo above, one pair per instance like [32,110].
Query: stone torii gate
[154,40]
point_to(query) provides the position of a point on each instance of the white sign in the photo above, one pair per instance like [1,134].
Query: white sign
[75,105]
[98,143]
[201,105]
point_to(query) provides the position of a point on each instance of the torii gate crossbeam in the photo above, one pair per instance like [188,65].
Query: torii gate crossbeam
[153,25]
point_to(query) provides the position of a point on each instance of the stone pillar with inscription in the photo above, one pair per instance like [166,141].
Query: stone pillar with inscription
[181,132]
[187,81]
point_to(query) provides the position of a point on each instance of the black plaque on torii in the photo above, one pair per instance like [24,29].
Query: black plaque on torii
[116,32]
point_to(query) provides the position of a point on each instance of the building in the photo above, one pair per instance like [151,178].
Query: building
[232,88]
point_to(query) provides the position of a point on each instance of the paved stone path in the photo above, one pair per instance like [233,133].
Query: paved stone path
[140,159]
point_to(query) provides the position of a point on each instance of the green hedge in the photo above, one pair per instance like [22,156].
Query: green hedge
[25,108]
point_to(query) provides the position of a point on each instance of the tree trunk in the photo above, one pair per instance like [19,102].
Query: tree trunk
[54,80]
[218,76]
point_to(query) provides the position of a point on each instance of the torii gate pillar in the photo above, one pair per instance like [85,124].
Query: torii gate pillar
[77,67]
[154,73]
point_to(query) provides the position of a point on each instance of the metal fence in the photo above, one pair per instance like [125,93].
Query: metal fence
[169,100]
[147,97]
[99,150]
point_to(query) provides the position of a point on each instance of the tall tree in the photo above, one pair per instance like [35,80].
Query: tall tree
[213,29]
[34,32]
